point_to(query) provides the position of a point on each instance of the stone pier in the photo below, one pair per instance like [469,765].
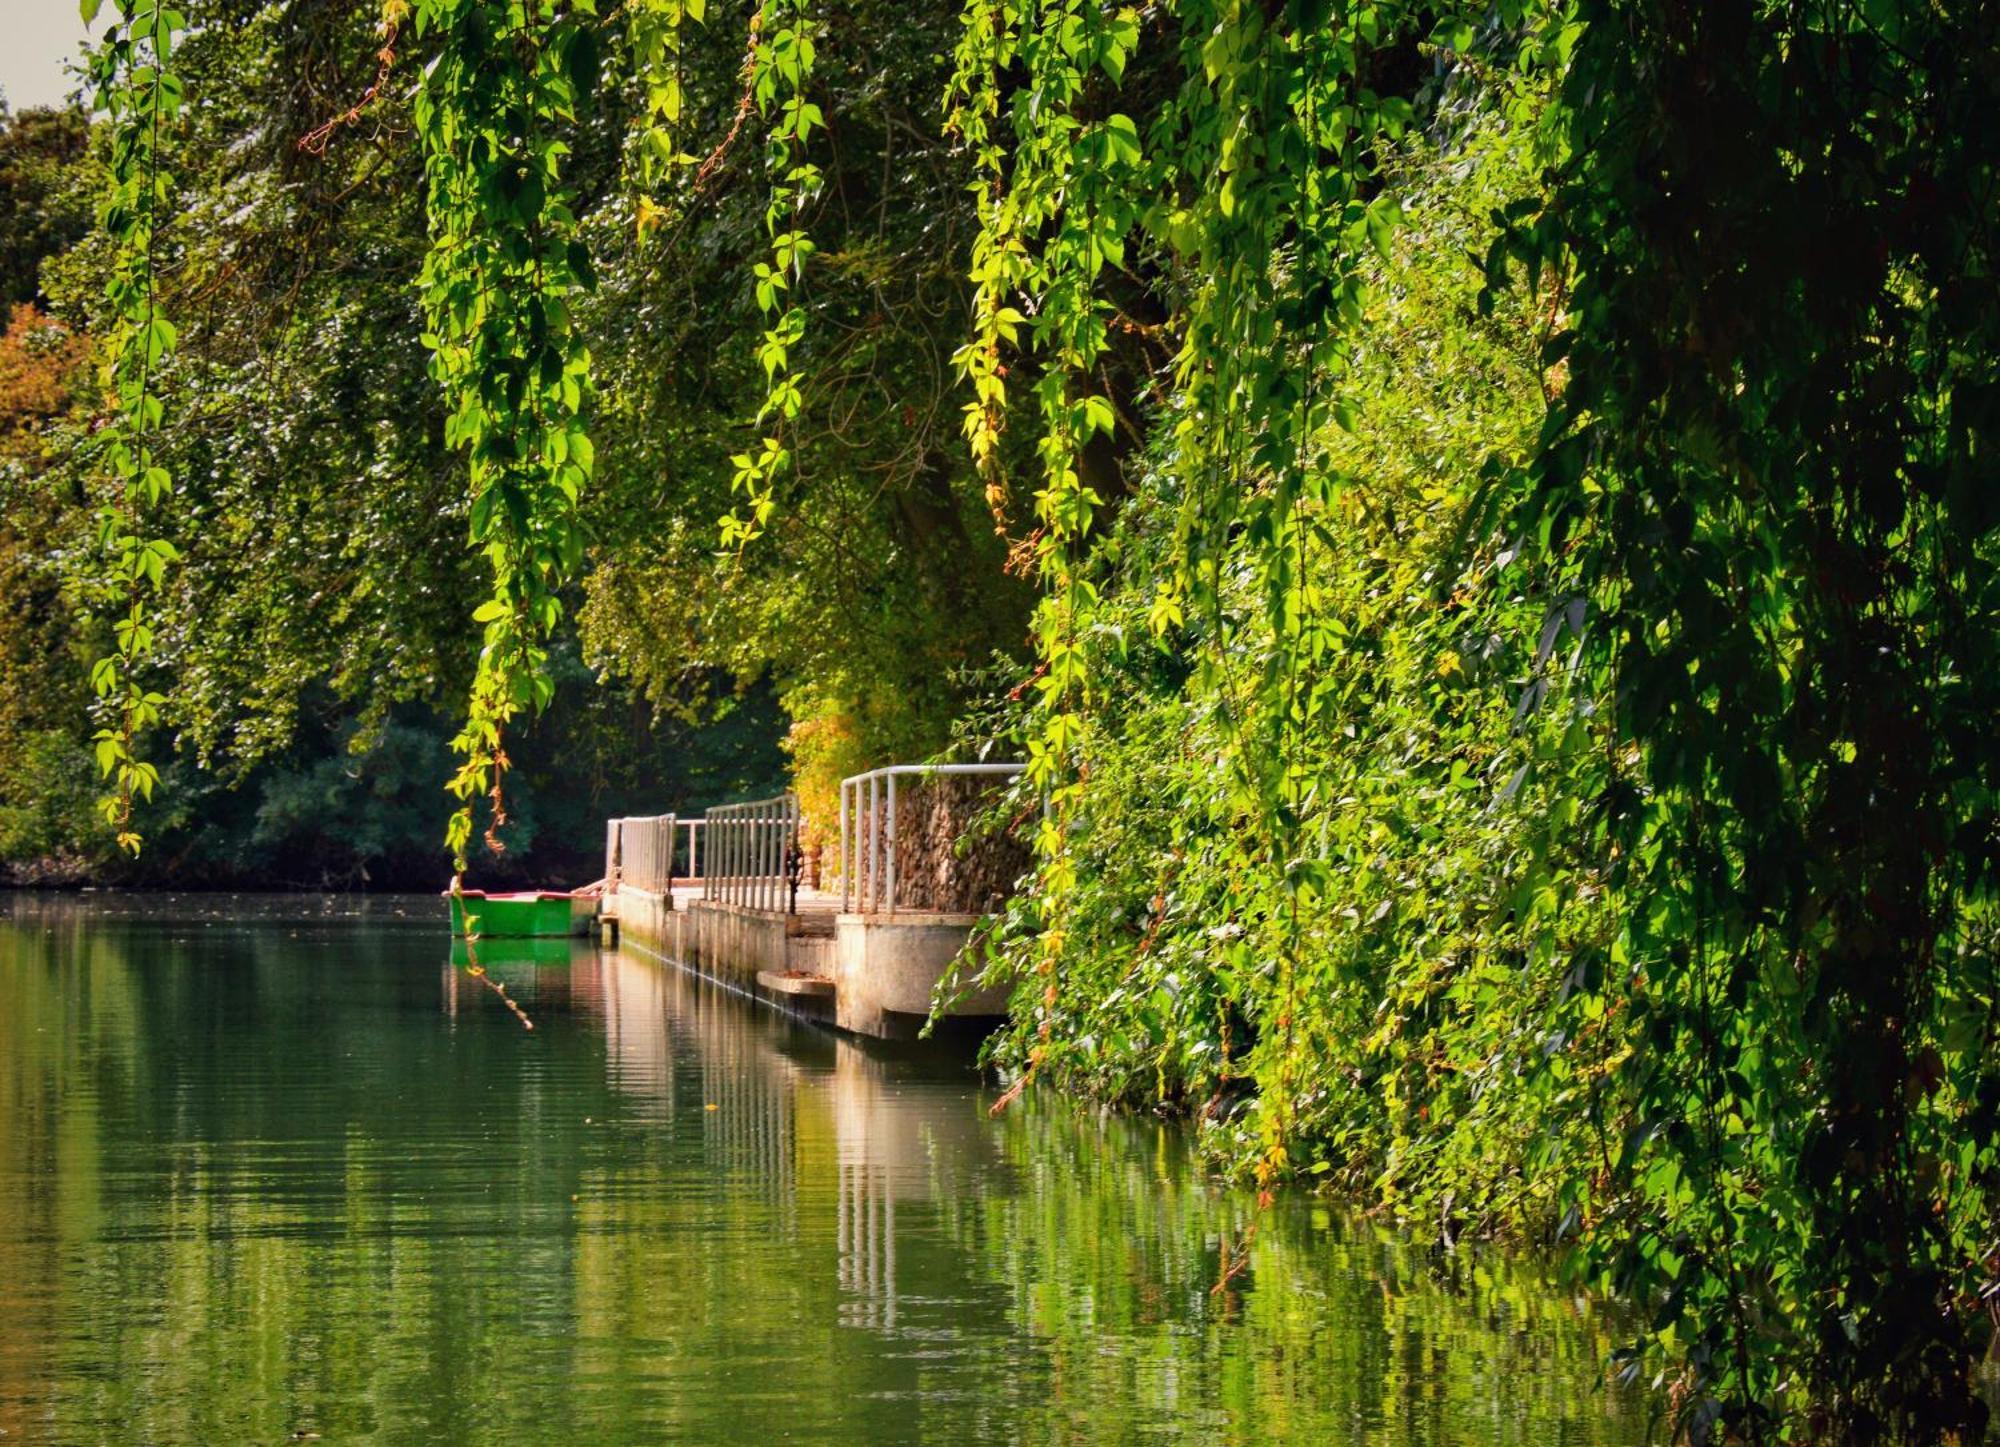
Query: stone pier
[869,974]
[733,895]
[885,968]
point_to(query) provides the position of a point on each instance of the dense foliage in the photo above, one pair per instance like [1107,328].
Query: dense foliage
[875,586]
[319,518]
[1507,707]
[1686,952]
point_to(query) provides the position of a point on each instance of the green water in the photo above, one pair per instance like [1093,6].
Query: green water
[274,1167]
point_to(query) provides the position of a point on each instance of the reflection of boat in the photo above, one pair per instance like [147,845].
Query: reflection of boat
[536,914]
[497,953]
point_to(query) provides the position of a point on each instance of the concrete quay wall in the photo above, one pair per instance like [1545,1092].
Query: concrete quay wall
[873,975]
[886,966]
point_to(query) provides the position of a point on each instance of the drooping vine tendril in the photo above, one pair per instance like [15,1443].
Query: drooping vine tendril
[655,31]
[1250,190]
[138,90]
[463,910]
[504,265]
[394,14]
[781,66]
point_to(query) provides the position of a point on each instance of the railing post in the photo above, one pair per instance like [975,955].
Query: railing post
[891,846]
[845,881]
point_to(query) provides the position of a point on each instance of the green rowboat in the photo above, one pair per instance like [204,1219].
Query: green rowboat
[542,914]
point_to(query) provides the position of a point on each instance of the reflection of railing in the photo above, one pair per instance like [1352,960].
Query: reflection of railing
[900,829]
[753,854]
[650,852]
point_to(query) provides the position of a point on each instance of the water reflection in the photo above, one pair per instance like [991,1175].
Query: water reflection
[298,1173]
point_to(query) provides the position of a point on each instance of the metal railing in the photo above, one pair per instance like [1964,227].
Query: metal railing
[753,854]
[652,851]
[869,816]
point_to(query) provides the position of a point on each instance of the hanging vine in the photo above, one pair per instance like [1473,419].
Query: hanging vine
[654,34]
[139,92]
[1247,190]
[1078,179]
[504,265]
[1000,255]
[781,65]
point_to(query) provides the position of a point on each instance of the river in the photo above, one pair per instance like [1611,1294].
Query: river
[275,1169]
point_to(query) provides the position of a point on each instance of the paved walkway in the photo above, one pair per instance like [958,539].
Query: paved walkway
[815,906]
